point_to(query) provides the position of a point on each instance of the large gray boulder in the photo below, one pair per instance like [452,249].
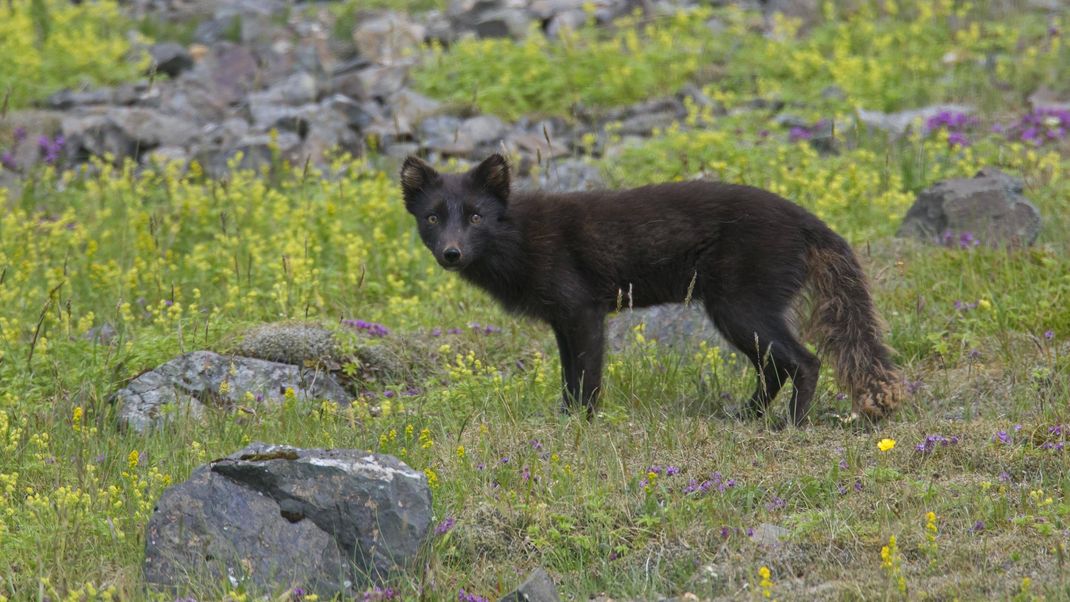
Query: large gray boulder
[274,517]
[986,209]
[676,326]
[200,379]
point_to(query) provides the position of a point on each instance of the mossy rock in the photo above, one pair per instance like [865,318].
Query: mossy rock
[387,360]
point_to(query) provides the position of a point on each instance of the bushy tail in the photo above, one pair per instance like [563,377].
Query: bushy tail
[847,328]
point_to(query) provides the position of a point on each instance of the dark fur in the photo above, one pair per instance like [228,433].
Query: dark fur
[747,254]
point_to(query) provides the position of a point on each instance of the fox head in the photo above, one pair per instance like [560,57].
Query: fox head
[457,214]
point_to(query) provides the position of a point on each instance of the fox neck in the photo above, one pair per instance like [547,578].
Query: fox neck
[503,268]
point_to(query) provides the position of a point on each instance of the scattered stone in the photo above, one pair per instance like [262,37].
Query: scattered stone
[570,175]
[570,20]
[297,89]
[412,107]
[538,587]
[769,535]
[195,380]
[381,82]
[643,118]
[273,518]
[170,58]
[502,23]
[358,115]
[228,72]
[102,335]
[469,135]
[123,132]
[986,209]
[387,38]
[899,123]
[68,99]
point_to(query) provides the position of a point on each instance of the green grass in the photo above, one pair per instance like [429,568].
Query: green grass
[48,45]
[875,57]
[176,261]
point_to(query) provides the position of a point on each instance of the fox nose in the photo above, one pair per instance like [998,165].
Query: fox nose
[452,255]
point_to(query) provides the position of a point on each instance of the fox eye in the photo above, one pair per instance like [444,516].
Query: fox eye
[476,218]
[432,219]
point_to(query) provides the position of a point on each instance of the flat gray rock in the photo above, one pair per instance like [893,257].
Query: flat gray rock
[274,517]
[986,209]
[196,380]
[899,123]
[538,587]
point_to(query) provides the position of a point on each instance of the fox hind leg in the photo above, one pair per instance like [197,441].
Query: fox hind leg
[767,340]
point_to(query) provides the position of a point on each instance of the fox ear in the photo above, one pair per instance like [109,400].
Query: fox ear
[493,175]
[416,175]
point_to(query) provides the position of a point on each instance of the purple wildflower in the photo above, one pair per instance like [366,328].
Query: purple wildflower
[1004,477]
[20,135]
[750,531]
[725,532]
[964,240]
[671,470]
[51,147]
[974,354]
[950,120]
[444,527]
[858,485]
[454,331]
[436,332]
[931,442]
[536,444]
[957,139]
[298,593]
[799,133]
[463,596]
[1049,335]
[8,161]
[378,594]
[1042,125]
[777,503]
[978,527]
[525,474]
[371,328]
[843,464]
[388,394]
[1002,437]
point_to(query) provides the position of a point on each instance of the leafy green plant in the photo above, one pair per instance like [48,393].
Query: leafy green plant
[51,44]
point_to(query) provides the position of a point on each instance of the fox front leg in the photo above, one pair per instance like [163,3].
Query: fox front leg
[581,345]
